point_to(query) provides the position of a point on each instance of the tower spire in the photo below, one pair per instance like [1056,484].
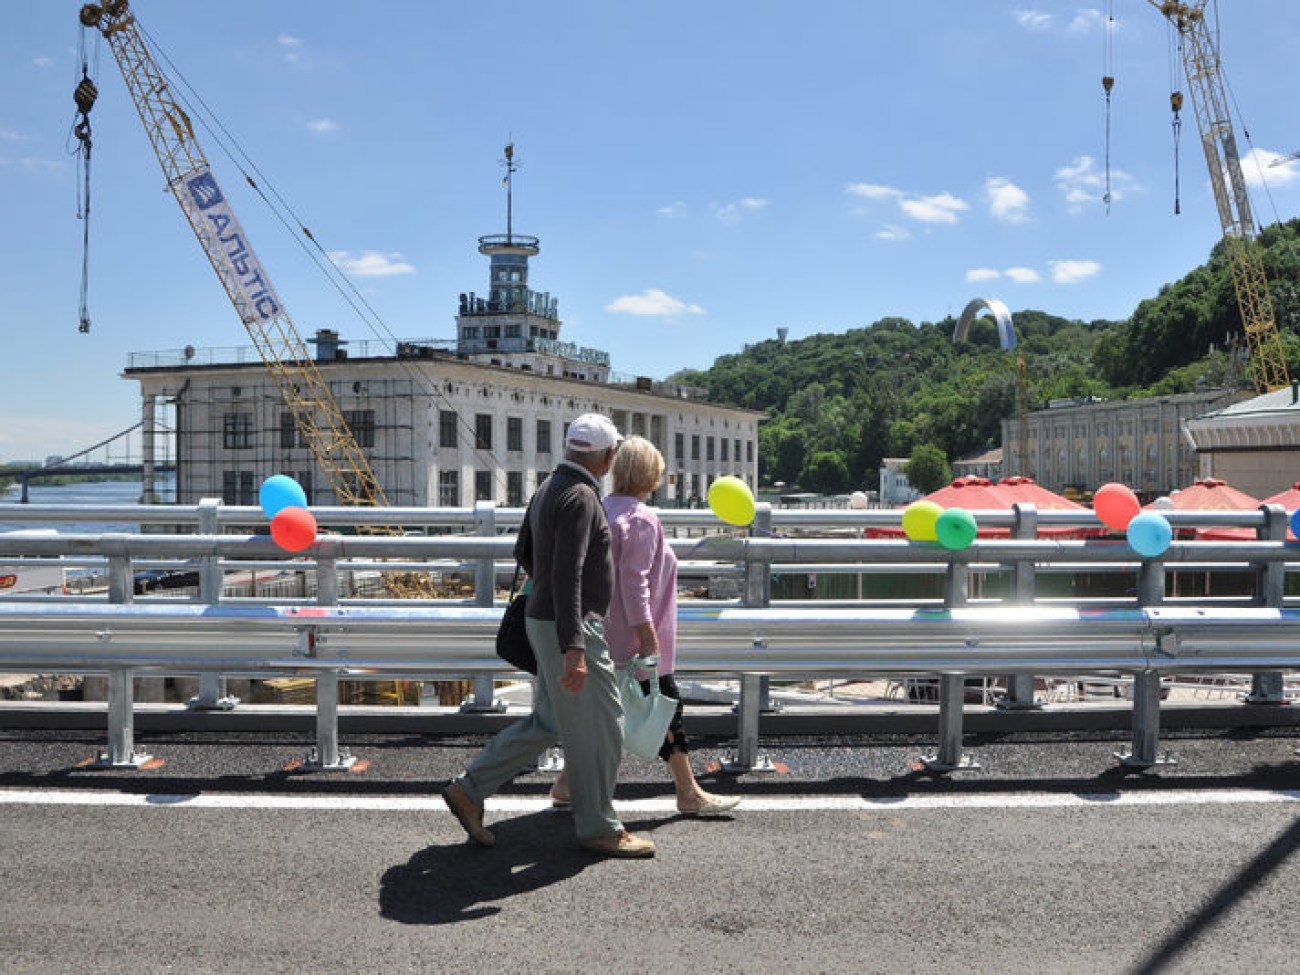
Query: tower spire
[509,163]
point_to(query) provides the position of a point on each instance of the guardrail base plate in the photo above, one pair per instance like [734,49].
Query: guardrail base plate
[931,763]
[1129,760]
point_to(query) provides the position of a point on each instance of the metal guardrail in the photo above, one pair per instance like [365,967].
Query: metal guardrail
[751,637]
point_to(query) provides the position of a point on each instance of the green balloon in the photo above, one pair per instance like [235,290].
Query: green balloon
[955,528]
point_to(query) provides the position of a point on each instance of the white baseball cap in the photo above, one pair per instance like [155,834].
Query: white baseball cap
[592,432]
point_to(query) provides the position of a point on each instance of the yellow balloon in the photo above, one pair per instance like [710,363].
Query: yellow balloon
[731,500]
[918,521]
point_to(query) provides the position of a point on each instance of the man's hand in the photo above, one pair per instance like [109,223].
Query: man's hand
[575,670]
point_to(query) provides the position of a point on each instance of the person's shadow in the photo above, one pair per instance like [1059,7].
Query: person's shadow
[463,882]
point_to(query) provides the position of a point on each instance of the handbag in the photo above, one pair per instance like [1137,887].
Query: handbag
[512,635]
[646,714]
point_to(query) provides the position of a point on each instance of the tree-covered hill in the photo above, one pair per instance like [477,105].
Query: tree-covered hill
[838,402]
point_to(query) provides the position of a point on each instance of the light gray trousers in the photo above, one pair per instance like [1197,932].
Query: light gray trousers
[588,724]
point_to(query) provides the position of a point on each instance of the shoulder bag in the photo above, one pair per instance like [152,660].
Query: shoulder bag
[512,636]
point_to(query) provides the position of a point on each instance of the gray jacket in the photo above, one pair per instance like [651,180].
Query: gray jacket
[563,545]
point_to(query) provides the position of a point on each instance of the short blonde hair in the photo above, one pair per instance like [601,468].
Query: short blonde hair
[638,467]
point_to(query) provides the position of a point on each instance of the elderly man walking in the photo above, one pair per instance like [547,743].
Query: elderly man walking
[564,546]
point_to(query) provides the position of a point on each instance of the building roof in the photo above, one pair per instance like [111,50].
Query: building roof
[1279,403]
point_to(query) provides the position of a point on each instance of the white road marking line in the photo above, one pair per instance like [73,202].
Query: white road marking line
[510,804]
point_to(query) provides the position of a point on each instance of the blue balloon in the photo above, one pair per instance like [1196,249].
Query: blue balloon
[280,491]
[1295,523]
[1149,534]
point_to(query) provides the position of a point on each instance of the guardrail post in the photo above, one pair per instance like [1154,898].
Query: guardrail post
[952,687]
[1020,687]
[121,724]
[755,690]
[212,686]
[1268,687]
[485,587]
[1147,684]
[327,756]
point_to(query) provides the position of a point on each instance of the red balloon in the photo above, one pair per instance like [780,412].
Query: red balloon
[293,528]
[1116,505]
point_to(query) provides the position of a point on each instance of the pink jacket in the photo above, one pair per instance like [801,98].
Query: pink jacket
[645,581]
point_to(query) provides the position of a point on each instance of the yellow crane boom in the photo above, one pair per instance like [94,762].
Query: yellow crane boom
[190,179]
[1245,257]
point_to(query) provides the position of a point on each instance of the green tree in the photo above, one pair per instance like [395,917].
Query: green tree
[826,472]
[928,469]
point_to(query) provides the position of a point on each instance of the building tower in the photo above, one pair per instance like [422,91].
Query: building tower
[516,326]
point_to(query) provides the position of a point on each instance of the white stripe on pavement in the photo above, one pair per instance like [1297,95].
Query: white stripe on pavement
[510,804]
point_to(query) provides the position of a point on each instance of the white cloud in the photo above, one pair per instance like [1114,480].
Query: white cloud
[1083,184]
[294,49]
[1073,272]
[1033,19]
[676,209]
[1259,169]
[977,274]
[43,62]
[1006,201]
[730,213]
[7,136]
[1023,275]
[872,191]
[323,126]
[652,303]
[892,231]
[370,264]
[1086,20]
[940,208]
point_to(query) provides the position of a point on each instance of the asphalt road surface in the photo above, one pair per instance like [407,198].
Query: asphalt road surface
[844,859]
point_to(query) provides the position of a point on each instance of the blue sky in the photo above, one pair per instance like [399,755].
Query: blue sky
[699,173]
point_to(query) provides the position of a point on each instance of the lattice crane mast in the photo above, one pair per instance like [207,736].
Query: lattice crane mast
[190,179]
[1245,257]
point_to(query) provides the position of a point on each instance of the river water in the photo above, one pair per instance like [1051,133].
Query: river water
[87,493]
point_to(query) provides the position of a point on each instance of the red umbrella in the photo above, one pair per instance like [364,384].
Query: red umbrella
[1212,494]
[1027,491]
[980,494]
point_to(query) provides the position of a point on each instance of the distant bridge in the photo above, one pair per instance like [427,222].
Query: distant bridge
[72,466]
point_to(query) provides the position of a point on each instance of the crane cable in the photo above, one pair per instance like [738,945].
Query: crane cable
[1107,83]
[84,95]
[1176,51]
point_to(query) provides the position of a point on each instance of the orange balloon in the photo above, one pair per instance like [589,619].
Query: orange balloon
[1115,505]
[293,528]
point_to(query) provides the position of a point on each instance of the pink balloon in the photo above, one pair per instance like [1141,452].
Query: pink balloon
[293,528]
[1116,505]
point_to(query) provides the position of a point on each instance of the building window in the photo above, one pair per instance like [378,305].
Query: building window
[446,428]
[695,446]
[514,433]
[708,448]
[237,431]
[749,451]
[543,436]
[289,435]
[304,481]
[679,447]
[362,425]
[515,489]
[449,489]
[237,488]
[483,431]
[482,485]
[736,453]
[724,457]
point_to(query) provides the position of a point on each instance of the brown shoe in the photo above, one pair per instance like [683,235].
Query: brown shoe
[467,813]
[623,845]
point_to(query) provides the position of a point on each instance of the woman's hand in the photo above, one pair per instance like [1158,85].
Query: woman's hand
[648,640]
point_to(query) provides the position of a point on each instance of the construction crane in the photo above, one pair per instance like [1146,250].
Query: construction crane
[190,179]
[1245,257]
